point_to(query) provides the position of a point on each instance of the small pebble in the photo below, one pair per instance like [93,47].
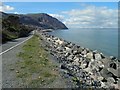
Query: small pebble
[17,71]
[12,69]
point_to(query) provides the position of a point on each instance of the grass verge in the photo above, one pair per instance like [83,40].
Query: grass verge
[35,69]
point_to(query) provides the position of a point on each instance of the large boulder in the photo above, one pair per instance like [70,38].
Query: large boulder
[48,39]
[105,73]
[119,83]
[89,55]
[76,61]
[70,45]
[84,64]
[103,85]
[112,57]
[98,56]
[60,48]
[110,80]
[60,42]
[113,65]
[70,57]
[84,52]
[75,52]
[95,51]
[79,50]
[68,49]
[102,55]
[55,38]
[114,72]
[100,78]
[67,54]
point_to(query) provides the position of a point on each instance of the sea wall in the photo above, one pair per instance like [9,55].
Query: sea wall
[87,67]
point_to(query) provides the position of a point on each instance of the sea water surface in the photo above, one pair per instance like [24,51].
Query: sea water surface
[104,40]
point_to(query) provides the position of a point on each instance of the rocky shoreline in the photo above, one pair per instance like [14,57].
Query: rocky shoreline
[88,69]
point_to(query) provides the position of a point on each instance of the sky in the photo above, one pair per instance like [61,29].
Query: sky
[72,14]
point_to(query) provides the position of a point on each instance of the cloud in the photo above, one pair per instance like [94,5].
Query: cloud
[16,13]
[59,17]
[92,17]
[5,8]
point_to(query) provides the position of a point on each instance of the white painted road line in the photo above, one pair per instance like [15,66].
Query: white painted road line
[15,45]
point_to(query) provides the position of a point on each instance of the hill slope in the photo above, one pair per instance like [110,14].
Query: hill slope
[19,25]
[42,20]
[12,28]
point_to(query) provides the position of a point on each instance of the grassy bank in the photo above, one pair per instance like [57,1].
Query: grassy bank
[35,69]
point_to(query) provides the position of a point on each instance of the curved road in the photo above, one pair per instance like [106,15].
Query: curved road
[12,44]
[8,57]
[8,66]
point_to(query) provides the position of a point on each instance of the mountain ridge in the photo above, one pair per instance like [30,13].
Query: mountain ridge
[39,20]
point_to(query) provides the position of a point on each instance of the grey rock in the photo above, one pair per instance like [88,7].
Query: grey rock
[118,71]
[79,50]
[112,57]
[95,51]
[70,57]
[88,66]
[100,78]
[84,52]
[102,55]
[96,83]
[89,55]
[110,80]
[119,83]
[67,54]
[113,71]
[60,42]
[113,65]
[104,80]
[75,52]
[48,39]
[70,45]
[55,38]
[82,48]
[103,85]
[83,64]
[59,48]
[68,49]
[98,56]
[105,73]
[76,61]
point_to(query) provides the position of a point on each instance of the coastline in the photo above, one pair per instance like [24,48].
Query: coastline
[86,67]
[103,40]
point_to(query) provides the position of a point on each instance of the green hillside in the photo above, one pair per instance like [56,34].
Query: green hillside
[12,28]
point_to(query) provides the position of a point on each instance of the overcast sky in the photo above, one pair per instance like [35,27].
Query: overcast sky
[73,15]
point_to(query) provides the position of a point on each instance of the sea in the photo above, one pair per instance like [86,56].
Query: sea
[103,40]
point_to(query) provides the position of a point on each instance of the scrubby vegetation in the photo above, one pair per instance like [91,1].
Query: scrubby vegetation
[12,28]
